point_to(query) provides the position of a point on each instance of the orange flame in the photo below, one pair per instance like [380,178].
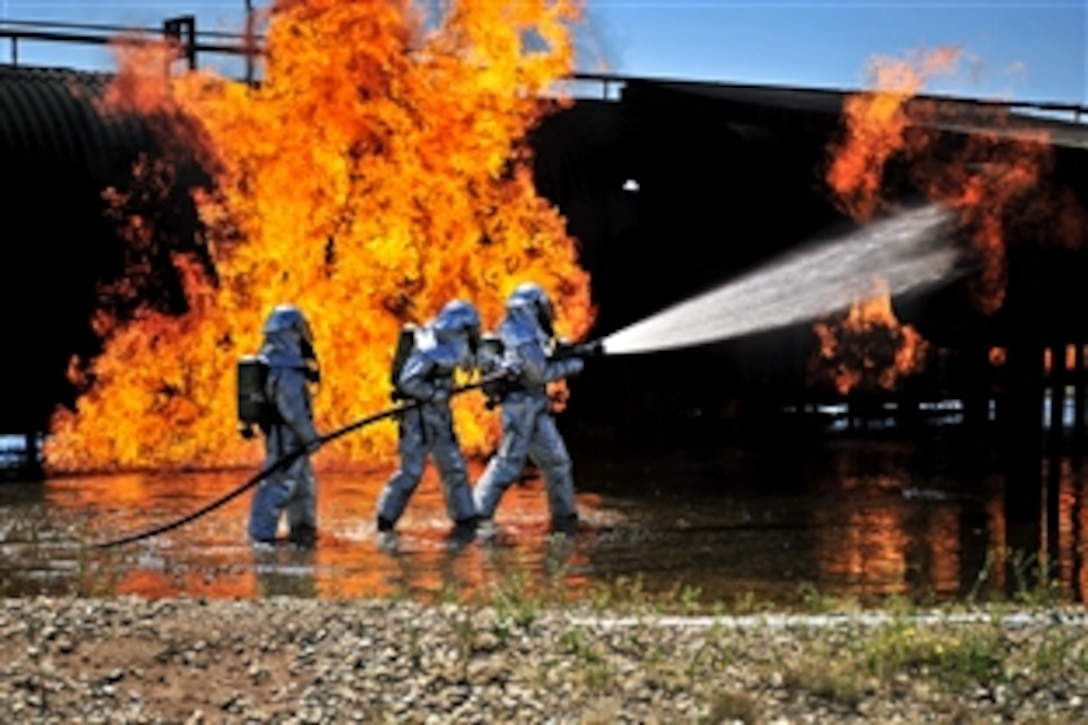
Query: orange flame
[558,395]
[377,171]
[868,348]
[993,178]
[875,129]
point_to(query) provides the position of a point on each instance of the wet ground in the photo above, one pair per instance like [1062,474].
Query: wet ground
[850,514]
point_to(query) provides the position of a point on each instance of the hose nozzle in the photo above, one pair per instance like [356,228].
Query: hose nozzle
[593,348]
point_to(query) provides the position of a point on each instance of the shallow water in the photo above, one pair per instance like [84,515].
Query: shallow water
[851,515]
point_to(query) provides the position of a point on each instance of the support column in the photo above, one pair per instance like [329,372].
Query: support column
[1055,434]
[1076,452]
[976,371]
[1022,433]
[1077,380]
[32,464]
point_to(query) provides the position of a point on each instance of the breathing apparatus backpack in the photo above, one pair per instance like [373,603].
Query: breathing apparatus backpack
[254,406]
[406,342]
[495,391]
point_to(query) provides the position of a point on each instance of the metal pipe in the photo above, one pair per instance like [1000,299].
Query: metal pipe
[15,35]
[249,42]
[112,28]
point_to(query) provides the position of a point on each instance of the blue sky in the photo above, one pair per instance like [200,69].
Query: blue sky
[1026,50]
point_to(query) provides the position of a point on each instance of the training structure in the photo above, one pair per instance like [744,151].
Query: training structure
[671,187]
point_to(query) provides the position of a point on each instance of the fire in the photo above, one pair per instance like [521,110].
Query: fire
[994,179]
[378,171]
[558,395]
[1067,363]
[868,348]
[876,124]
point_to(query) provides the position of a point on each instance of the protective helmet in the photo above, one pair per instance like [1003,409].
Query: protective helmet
[288,320]
[534,295]
[460,316]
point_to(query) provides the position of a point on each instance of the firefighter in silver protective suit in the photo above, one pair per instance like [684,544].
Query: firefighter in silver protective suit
[288,352]
[448,342]
[529,429]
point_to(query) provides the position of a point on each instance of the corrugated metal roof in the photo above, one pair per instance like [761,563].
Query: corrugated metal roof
[49,115]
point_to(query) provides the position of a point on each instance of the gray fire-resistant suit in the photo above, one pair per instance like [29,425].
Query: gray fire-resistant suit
[529,429]
[287,350]
[442,345]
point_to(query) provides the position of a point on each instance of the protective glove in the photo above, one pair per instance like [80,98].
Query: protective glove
[442,391]
[246,431]
[488,364]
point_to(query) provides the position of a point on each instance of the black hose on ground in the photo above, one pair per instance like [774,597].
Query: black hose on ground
[281,464]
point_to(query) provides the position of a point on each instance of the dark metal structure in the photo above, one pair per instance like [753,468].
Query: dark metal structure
[61,152]
[58,156]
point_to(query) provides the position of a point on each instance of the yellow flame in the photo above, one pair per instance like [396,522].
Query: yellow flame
[378,171]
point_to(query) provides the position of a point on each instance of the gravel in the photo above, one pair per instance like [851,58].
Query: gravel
[294,660]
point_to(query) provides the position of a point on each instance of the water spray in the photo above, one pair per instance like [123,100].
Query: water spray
[910,251]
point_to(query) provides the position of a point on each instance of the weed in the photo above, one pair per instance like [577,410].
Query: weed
[689,599]
[514,602]
[835,679]
[1054,654]
[1034,585]
[974,655]
[746,603]
[731,706]
[981,579]
[814,600]
[97,578]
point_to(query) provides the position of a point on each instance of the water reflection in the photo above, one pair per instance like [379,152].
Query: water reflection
[1072,570]
[864,518]
[210,556]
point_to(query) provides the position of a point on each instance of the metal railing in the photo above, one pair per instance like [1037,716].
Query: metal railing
[180,30]
[610,83]
[193,43]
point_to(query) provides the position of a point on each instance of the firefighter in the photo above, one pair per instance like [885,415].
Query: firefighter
[441,346]
[527,340]
[291,363]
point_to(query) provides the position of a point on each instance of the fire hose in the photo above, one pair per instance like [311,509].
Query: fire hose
[285,461]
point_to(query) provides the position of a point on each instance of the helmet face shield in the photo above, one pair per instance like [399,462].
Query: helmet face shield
[460,317]
[545,313]
[307,339]
[474,340]
[289,319]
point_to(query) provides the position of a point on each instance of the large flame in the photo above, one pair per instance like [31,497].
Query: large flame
[994,179]
[993,175]
[376,172]
[875,124]
[868,348]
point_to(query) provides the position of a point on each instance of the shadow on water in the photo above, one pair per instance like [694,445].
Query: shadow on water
[851,516]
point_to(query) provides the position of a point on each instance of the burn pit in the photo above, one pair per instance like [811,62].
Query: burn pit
[399,148]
